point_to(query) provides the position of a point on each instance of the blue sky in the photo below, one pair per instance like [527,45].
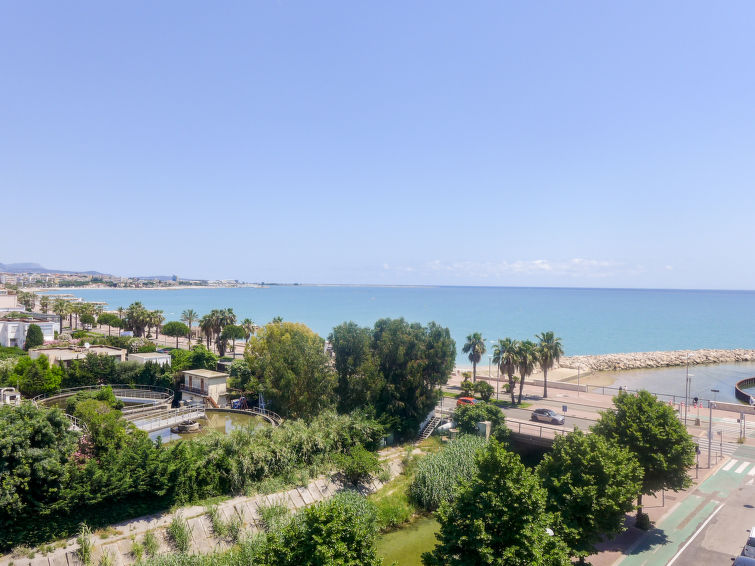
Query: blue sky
[487,143]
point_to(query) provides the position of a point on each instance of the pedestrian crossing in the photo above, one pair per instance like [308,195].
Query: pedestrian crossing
[725,449]
[738,467]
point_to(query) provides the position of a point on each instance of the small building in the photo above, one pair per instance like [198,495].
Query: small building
[65,355]
[205,386]
[162,358]
[9,396]
[8,302]
[15,326]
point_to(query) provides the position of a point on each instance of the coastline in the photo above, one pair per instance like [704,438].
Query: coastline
[73,290]
[650,360]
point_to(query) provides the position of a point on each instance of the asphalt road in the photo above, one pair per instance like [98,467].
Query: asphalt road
[569,423]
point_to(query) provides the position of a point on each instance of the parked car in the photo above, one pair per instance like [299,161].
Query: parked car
[547,416]
[749,549]
[743,561]
[466,401]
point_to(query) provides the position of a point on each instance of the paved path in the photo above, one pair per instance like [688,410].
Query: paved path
[707,527]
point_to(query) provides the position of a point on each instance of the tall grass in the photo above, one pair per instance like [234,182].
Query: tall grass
[86,545]
[437,474]
[179,533]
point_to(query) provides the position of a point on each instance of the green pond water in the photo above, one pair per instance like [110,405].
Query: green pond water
[214,421]
[405,546]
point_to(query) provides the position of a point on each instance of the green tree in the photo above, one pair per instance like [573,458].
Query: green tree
[414,361]
[189,317]
[474,348]
[87,318]
[60,307]
[526,358]
[35,377]
[497,518]
[289,360]
[94,369]
[505,357]
[341,531]
[249,328]
[207,325]
[175,329]
[549,351]
[136,318]
[232,332]
[650,430]
[358,464]
[34,337]
[359,381]
[592,483]
[467,387]
[44,303]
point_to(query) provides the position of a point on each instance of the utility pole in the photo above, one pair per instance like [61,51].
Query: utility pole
[710,425]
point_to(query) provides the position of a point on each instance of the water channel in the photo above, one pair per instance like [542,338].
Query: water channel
[406,545]
[223,422]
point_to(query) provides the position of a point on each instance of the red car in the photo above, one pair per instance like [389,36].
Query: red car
[466,401]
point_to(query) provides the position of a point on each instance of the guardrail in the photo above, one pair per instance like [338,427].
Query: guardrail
[742,384]
[169,418]
[529,429]
[125,389]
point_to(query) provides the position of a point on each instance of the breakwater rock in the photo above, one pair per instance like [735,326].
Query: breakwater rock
[641,360]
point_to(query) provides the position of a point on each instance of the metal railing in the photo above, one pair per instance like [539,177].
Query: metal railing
[172,417]
[274,418]
[530,429]
[197,390]
[119,389]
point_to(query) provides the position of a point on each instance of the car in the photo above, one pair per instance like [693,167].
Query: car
[547,416]
[749,549]
[743,561]
[466,401]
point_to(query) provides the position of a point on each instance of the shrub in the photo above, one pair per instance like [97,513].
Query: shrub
[467,387]
[484,390]
[438,474]
[137,551]
[179,534]
[358,464]
[273,516]
[643,521]
[467,417]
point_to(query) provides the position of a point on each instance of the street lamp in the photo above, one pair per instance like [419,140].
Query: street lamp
[710,423]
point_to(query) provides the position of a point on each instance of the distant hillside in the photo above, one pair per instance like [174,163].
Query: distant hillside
[36,268]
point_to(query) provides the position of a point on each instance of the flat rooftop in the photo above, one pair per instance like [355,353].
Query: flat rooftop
[208,373]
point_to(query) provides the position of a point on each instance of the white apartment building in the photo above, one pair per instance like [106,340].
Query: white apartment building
[13,330]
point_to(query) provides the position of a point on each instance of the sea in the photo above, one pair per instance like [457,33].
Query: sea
[589,321]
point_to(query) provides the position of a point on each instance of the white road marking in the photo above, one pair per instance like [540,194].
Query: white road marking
[730,465]
[697,532]
[751,472]
[741,468]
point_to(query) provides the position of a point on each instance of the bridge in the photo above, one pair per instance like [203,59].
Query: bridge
[168,418]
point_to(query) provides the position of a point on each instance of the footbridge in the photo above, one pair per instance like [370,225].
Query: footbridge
[168,418]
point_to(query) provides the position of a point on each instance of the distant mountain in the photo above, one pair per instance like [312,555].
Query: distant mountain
[36,268]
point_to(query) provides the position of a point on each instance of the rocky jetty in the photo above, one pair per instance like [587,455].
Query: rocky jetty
[641,360]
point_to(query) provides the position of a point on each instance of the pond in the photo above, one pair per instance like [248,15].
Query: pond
[220,421]
[406,545]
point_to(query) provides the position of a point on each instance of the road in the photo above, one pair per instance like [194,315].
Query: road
[569,423]
[710,525]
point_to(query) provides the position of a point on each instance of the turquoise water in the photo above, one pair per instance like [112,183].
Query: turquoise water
[590,321]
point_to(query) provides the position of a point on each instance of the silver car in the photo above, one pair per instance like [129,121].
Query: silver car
[547,416]
[749,548]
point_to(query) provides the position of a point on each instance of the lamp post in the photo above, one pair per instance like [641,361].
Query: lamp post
[710,424]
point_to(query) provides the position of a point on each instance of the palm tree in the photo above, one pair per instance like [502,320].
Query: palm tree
[44,303]
[207,325]
[157,320]
[475,348]
[60,307]
[549,350]
[249,328]
[526,359]
[504,356]
[188,317]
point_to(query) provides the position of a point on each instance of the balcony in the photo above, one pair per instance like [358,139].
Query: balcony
[196,390]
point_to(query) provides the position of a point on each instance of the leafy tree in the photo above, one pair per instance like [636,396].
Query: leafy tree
[650,430]
[44,303]
[233,332]
[549,351]
[359,382]
[87,318]
[109,320]
[415,361]
[241,377]
[505,357]
[592,483]
[34,337]
[35,444]
[136,318]
[27,299]
[497,518]
[91,370]
[35,377]
[189,316]
[341,531]
[467,387]
[474,348]
[289,360]
[467,417]
[176,330]
[526,358]
[61,308]
[484,390]
[198,357]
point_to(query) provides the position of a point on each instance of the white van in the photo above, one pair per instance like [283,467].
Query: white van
[749,549]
